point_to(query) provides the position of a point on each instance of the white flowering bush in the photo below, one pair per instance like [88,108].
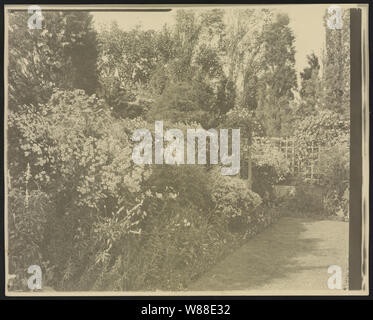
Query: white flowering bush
[81,157]
[73,142]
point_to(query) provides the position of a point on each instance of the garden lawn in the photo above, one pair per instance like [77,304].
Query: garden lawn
[292,254]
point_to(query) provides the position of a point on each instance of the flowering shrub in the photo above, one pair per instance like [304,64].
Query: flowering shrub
[337,204]
[325,129]
[266,155]
[189,184]
[244,119]
[81,158]
[73,142]
[330,131]
[335,167]
[233,198]
[93,220]
[270,167]
[242,210]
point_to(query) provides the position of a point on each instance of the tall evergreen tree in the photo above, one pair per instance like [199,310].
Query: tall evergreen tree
[336,66]
[279,77]
[310,87]
[61,54]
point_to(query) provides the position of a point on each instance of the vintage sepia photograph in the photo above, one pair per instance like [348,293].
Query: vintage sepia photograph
[183,150]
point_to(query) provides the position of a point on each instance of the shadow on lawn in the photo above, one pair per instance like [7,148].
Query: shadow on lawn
[271,255]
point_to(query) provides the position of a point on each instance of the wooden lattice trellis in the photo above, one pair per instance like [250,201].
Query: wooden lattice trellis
[298,165]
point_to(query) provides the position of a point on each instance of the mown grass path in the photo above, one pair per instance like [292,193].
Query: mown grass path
[292,254]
